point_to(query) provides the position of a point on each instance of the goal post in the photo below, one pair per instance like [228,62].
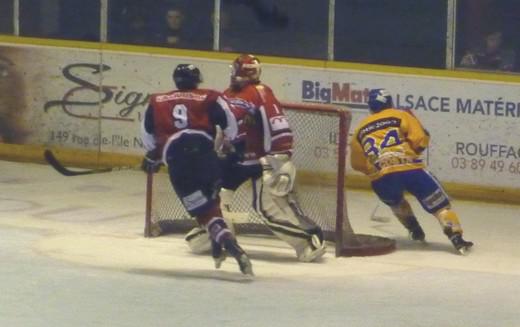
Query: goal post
[320,151]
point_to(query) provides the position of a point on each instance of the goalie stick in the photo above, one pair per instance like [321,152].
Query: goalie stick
[51,159]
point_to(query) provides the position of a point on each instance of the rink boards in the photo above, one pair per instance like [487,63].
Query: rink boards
[85,98]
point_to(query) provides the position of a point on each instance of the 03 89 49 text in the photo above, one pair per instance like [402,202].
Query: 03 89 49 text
[325,152]
[497,166]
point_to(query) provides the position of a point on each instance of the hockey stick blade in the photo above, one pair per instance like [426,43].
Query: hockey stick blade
[51,159]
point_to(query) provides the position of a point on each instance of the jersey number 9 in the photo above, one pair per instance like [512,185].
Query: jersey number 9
[180,116]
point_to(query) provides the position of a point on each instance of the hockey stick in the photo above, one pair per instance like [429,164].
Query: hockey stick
[379,219]
[51,159]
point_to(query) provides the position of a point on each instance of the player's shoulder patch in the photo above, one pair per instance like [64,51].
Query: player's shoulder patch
[243,104]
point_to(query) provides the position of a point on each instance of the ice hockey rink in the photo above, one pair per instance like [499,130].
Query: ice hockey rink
[72,254]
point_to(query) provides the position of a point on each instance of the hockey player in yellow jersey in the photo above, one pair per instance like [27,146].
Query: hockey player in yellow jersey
[387,146]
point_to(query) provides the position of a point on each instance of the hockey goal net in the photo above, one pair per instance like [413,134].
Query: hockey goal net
[320,133]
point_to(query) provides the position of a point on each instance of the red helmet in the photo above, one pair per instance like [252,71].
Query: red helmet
[245,70]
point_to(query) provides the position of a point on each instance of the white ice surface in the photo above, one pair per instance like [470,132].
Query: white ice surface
[72,254]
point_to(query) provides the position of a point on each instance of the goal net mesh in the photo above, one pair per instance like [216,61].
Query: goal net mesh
[320,146]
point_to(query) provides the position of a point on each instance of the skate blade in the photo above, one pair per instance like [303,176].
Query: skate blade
[410,237]
[248,274]
[465,250]
[314,256]
[245,266]
[219,261]
[423,241]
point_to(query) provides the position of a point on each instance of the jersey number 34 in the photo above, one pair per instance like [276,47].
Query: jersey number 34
[372,149]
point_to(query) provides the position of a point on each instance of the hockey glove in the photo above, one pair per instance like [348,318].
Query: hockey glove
[232,152]
[151,162]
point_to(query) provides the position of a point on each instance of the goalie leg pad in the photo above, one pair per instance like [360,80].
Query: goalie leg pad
[286,220]
[198,238]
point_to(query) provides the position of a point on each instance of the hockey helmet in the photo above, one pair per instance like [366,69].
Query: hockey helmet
[187,77]
[245,70]
[379,99]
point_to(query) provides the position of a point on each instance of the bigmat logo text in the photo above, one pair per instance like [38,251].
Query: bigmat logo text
[336,93]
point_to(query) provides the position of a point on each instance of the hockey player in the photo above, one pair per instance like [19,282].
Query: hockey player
[179,130]
[387,146]
[267,162]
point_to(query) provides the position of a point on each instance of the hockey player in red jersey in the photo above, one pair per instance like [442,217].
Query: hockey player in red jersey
[179,130]
[267,162]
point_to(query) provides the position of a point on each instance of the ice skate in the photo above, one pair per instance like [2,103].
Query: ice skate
[245,265]
[313,251]
[218,254]
[417,234]
[240,255]
[460,244]
[415,231]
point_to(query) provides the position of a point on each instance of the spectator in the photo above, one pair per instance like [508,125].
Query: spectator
[172,34]
[492,55]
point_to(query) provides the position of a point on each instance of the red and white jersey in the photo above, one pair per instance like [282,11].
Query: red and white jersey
[170,115]
[262,122]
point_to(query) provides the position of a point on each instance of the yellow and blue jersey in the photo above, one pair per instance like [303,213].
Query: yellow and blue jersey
[388,141]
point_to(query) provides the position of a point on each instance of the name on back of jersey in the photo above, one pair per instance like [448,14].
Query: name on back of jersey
[378,125]
[181,95]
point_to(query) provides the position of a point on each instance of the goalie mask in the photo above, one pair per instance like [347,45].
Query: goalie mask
[245,70]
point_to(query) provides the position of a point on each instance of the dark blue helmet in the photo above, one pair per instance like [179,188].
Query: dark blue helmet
[187,77]
[379,99]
